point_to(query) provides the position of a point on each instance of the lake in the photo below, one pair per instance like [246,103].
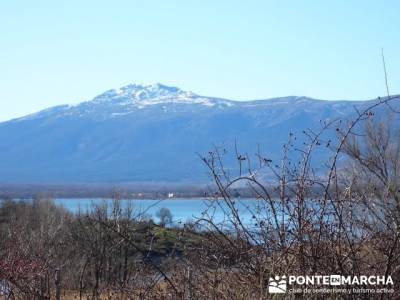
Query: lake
[182,210]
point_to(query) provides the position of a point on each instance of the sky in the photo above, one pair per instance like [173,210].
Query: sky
[65,52]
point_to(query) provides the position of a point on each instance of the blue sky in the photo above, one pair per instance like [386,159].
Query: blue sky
[56,52]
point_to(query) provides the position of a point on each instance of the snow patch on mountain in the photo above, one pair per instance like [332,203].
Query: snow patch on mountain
[141,96]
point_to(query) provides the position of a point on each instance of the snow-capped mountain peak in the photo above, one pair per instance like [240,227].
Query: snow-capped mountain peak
[133,97]
[148,94]
[152,91]
[141,96]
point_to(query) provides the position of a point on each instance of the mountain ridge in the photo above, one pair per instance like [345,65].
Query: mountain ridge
[151,133]
[132,94]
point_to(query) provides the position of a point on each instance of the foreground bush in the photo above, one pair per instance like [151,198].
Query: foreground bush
[344,220]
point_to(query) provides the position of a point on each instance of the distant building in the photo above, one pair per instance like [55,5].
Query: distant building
[170,195]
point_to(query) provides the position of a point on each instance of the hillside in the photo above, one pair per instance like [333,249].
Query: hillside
[150,134]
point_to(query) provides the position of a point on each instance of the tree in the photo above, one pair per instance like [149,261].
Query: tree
[165,216]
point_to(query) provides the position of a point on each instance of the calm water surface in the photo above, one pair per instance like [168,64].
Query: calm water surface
[182,210]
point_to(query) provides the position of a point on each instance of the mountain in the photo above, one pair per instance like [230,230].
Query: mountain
[150,133]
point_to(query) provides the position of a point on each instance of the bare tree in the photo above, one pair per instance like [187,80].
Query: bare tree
[165,216]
